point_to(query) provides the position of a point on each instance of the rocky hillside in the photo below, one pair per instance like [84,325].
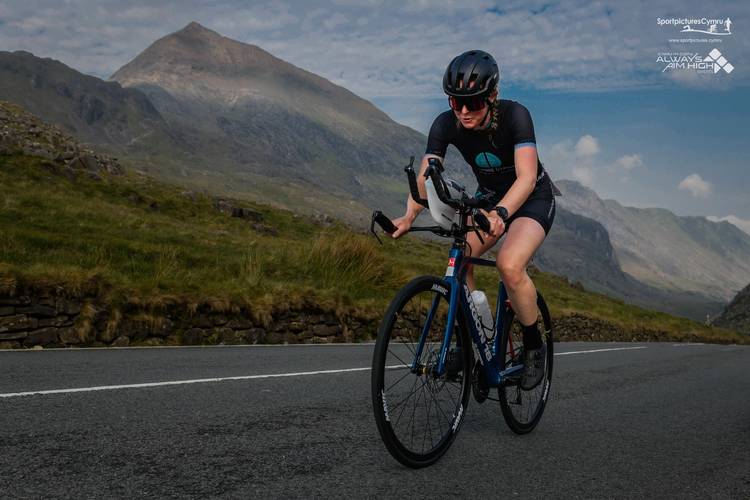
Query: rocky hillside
[252,96]
[23,133]
[736,315]
[267,118]
[580,249]
[218,156]
[661,249]
[121,121]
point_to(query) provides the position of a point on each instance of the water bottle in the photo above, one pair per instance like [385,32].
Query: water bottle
[485,315]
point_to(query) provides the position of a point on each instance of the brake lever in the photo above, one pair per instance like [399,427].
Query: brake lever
[372,227]
[482,221]
[384,222]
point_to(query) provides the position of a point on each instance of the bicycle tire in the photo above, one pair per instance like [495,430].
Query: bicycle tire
[397,336]
[512,398]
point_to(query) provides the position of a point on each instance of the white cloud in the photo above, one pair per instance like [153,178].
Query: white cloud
[587,146]
[566,151]
[743,224]
[581,160]
[584,174]
[561,152]
[695,185]
[378,48]
[628,162]
[576,158]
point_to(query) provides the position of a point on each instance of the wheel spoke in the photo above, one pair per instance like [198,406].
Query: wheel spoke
[398,358]
[402,377]
[427,414]
[451,395]
[409,346]
[416,379]
[414,411]
[441,411]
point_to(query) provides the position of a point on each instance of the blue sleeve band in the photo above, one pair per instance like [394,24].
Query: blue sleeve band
[524,144]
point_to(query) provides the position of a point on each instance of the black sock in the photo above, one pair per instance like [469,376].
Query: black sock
[532,337]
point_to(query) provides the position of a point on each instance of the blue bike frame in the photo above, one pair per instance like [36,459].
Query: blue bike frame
[489,352]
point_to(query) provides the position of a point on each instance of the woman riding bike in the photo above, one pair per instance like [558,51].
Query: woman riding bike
[496,138]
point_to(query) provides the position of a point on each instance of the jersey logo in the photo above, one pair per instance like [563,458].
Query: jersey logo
[487,160]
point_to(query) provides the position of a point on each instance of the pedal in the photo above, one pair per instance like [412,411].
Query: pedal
[512,381]
[453,365]
[518,401]
[479,384]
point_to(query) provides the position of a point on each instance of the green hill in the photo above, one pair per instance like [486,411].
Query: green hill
[133,245]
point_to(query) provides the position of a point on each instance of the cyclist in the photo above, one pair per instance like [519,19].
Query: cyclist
[496,138]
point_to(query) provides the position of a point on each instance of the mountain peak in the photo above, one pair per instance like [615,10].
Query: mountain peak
[197,29]
[576,189]
[195,25]
[196,50]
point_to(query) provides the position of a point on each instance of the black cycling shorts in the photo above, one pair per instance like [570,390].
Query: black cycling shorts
[540,209]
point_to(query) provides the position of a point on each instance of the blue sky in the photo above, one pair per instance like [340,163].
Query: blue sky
[604,111]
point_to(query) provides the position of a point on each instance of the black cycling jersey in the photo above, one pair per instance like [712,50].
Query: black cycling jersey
[493,161]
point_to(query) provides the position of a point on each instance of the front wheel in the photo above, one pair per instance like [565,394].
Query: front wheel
[522,409]
[417,410]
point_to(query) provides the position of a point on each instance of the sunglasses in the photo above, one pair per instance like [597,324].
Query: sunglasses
[474,103]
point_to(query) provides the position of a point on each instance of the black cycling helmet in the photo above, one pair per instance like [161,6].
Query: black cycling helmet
[472,66]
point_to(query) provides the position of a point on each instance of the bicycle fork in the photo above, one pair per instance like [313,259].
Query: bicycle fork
[487,351]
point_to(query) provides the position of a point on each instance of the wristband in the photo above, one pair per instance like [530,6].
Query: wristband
[502,212]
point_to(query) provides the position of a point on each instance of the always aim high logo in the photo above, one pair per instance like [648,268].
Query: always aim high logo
[712,63]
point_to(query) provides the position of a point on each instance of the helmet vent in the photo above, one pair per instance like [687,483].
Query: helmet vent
[473,73]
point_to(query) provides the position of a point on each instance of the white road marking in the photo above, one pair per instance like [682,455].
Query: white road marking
[184,382]
[599,350]
[217,346]
[244,377]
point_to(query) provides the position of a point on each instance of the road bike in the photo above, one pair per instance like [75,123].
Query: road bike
[423,367]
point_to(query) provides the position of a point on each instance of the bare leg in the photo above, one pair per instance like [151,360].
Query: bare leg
[524,236]
[477,250]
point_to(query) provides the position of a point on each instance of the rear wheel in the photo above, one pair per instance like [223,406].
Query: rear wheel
[522,409]
[418,411]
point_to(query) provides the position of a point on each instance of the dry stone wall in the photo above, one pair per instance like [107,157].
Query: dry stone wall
[45,320]
[49,319]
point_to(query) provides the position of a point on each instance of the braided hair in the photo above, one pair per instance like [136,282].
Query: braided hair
[496,120]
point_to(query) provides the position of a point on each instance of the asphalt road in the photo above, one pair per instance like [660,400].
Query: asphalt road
[663,421]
